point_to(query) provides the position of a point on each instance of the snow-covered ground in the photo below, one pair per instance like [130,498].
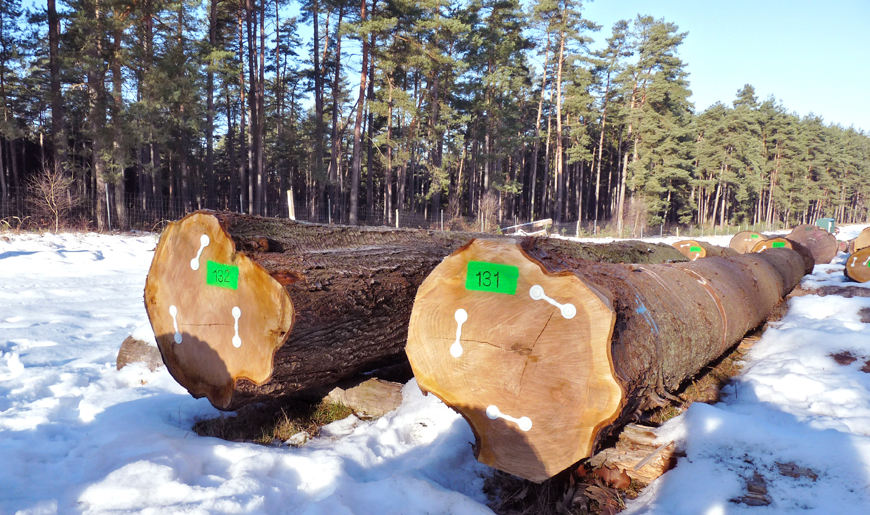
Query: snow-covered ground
[78,436]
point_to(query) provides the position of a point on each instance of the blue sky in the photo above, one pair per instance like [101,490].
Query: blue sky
[814,56]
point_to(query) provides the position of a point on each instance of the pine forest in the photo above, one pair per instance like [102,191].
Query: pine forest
[476,114]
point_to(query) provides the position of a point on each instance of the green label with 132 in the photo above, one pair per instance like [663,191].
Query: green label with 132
[492,277]
[223,276]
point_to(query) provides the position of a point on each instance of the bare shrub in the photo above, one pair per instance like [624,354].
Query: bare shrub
[51,196]
[489,211]
[637,215]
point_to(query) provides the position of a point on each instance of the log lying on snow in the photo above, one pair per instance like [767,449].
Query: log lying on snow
[744,241]
[859,242]
[820,242]
[546,355]
[858,265]
[247,309]
[780,243]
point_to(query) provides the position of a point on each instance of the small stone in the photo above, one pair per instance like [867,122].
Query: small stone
[299,439]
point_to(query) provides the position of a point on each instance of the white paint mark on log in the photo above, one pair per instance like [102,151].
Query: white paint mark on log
[203,243]
[173,312]
[854,259]
[237,313]
[537,293]
[524,423]
[461,317]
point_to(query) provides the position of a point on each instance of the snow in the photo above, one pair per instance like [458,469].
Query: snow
[79,436]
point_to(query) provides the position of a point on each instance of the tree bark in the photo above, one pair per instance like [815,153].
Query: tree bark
[821,243]
[317,302]
[211,195]
[57,126]
[357,129]
[544,382]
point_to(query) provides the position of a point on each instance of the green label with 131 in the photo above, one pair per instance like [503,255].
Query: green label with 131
[222,276]
[492,277]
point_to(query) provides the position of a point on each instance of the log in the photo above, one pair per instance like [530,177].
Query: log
[821,243]
[744,241]
[859,242]
[546,360]
[639,454]
[691,249]
[246,309]
[777,242]
[858,266]
[694,249]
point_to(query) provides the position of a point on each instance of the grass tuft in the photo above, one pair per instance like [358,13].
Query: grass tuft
[267,423]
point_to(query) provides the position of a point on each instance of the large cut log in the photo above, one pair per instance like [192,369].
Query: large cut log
[858,266]
[694,249]
[744,241]
[246,309]
[821,243]
[779,243]
[859,242]
[546,355]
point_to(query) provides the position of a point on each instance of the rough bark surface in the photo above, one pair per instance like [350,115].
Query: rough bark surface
[567,378]
[317,303]
[777,242]
[821,243]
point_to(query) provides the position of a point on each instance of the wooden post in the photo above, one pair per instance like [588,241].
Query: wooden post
[291,209]
[545,355]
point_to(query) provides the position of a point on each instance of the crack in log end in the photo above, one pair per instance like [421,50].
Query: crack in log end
[533,356]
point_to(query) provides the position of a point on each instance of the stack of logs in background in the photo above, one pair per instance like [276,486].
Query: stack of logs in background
[548,348]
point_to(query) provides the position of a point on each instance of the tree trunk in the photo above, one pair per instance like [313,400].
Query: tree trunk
[548,358]
[316,303]
[560,187]
[822,244]
[335,154]
[357,128]
[97,118]
[211,195]
[57,126]
[370,188]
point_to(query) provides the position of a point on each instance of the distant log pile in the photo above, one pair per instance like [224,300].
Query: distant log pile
[546,355]
[246,309]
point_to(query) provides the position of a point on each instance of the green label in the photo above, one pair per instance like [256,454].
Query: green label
[778,244]
[694,249]
[223,276]
[753,236]
[492,277]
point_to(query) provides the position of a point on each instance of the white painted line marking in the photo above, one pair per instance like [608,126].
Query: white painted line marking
[203,243]
[537,293]
[865,262]
[461,317]
[854,258]
[237,313]
[173,311]
[686,245]
[493,413]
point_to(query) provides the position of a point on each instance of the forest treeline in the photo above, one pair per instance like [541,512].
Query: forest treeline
[479,108]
